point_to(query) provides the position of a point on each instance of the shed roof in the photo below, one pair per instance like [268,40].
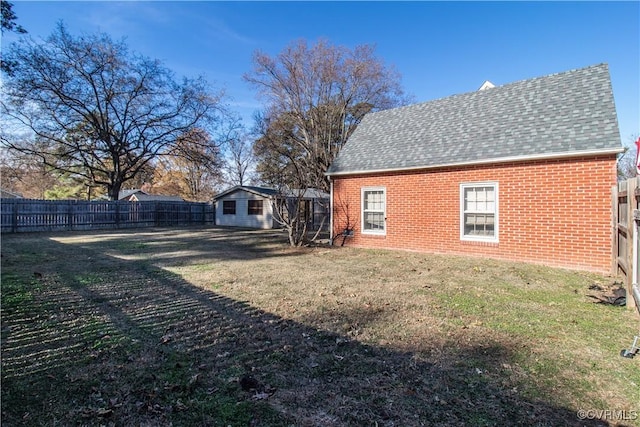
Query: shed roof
[563,114]
[267,192]
[260,191]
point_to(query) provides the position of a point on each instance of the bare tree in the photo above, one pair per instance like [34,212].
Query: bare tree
[281,167]
[103,113]
[239,161]
[192,169]
[288,211]
[316,96]
[281,160]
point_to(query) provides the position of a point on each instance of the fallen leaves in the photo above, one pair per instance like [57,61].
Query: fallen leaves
[614,294]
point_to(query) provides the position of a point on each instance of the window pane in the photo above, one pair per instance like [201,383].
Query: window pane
[479,225]
[491,194]
[255,207]
[373,221]
[470,194]
[228,207]
[479,199]
[373,201]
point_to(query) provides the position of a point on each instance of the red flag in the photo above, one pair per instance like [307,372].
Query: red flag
[637,157]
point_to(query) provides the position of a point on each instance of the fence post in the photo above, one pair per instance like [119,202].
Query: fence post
[14,217]
[631,205]
[69,214]
[631,303]
[633,194]
[614,232]
[117,205]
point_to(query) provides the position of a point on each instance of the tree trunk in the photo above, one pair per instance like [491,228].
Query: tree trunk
[114,190]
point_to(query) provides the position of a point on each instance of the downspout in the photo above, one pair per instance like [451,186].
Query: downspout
[330,211]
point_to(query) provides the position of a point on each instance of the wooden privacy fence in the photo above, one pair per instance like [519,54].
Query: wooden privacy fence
[22,215]
[626,214]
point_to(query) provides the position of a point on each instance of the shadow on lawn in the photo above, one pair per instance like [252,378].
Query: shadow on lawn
[112,342]
[165,246]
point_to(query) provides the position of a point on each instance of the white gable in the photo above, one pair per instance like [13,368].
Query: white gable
[487,85]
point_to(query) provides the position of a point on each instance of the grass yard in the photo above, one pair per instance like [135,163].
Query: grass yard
[213,327]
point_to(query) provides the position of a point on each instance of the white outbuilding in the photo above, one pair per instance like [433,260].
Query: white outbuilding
[253,207]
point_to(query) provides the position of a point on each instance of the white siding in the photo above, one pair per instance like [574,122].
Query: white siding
[241,218]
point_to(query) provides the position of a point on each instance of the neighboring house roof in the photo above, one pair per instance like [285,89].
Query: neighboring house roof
[145,197]
[6,194]
[124,194]
[142,196]
[267,192]
[559,115]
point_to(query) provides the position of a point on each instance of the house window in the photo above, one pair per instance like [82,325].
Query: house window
[255,207]
[228,207]
[479,212]
[373,210]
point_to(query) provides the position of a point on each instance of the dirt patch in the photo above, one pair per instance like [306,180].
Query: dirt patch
[611,293]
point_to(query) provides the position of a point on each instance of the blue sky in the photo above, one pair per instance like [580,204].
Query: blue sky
[440,49]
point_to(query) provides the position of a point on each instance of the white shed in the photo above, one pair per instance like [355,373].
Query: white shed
[253,207]
[245,206]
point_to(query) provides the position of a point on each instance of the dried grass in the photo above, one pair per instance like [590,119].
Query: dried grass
[167,327]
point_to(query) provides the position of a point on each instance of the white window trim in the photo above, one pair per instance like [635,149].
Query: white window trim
[373,232]
[490,239]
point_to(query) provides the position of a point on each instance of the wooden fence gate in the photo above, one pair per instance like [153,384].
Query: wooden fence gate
[626,215]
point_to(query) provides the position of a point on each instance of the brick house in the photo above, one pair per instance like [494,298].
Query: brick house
[520,172]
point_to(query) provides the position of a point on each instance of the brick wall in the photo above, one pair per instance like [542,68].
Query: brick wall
[553,212]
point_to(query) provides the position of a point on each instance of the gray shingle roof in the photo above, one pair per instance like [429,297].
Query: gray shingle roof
[309,193]
[261,191]
[145,197]
[560,114]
